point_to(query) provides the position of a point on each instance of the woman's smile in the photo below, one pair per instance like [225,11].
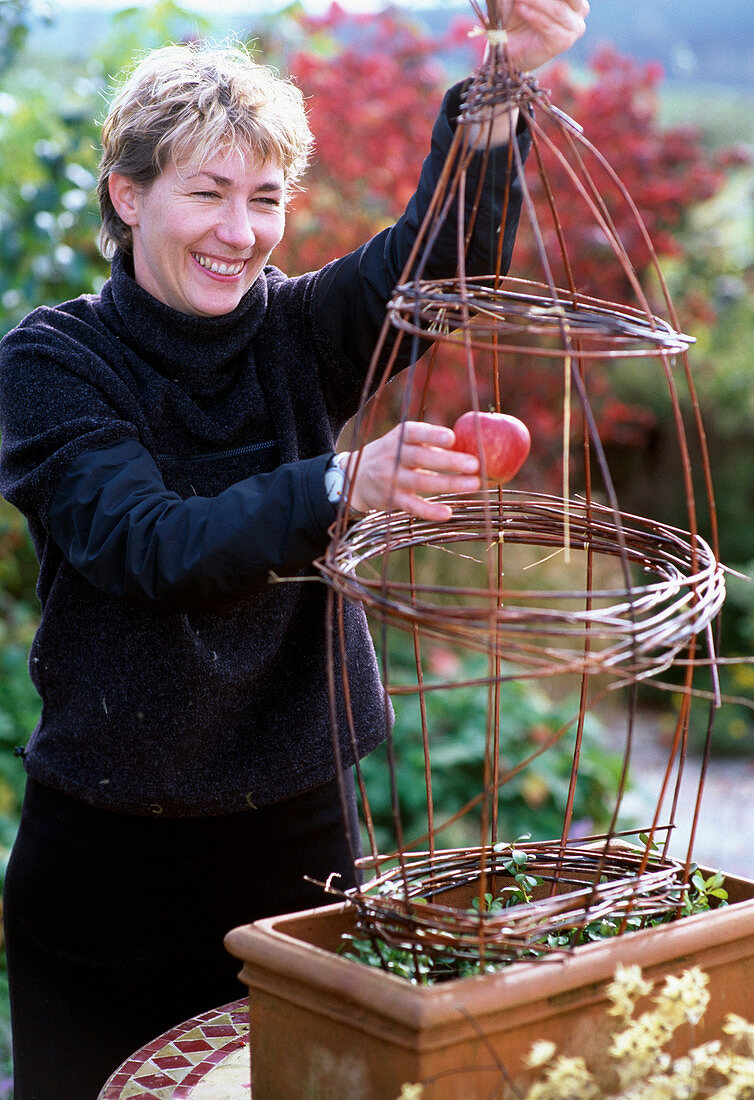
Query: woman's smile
[224,268]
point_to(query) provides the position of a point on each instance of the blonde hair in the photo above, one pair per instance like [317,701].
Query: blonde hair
[182,104]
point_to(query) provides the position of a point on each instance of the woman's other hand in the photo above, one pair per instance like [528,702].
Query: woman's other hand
[408,463]
[539,30]
[536,31]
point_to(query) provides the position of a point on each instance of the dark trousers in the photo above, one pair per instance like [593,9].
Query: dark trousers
[114,924]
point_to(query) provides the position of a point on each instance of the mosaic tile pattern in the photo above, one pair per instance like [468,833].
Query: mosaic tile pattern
[206,1058]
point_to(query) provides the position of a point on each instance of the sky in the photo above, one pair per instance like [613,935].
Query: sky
[239,6]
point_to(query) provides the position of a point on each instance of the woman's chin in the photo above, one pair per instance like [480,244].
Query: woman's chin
[217,301]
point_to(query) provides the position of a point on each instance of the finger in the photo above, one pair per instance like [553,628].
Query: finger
[434,458]
[430,435]
[547,18]
[431,510]
[424,481]
[553,16]
[558,10]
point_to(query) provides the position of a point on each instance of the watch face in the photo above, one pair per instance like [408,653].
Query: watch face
[334,482]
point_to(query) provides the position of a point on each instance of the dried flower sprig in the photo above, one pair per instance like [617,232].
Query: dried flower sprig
[642,1068]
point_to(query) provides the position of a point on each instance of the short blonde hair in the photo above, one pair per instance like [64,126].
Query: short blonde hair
[181,104]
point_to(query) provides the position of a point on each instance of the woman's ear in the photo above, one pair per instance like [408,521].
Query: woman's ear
[123,195]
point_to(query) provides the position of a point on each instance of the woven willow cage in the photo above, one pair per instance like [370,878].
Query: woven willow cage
[632,597]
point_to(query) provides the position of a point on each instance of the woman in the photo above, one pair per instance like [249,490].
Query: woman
[170,442]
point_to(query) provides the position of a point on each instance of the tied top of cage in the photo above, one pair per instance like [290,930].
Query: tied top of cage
[551,316]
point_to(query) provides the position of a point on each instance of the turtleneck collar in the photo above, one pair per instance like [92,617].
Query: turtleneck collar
[201,352]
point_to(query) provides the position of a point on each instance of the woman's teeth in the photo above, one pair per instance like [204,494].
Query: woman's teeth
[218,268]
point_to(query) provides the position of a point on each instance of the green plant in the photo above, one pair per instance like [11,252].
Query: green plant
[518,893]
[419,968]
[699,896]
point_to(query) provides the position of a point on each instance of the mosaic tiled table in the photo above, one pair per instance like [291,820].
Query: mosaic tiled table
[206,1058]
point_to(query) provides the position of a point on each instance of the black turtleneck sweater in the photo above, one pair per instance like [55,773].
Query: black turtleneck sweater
[167,464]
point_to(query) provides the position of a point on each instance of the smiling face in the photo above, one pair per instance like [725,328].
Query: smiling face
[202,236]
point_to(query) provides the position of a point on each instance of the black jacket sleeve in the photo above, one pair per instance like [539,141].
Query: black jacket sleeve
[351,293]
[119,526]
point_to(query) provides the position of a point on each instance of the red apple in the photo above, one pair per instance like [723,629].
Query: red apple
[504,441]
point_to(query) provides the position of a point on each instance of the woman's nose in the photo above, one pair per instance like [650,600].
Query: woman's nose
[235,228]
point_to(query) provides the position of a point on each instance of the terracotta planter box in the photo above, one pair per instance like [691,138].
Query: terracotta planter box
[326,1028]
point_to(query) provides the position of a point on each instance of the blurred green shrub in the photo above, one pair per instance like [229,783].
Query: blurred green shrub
[534,801]
[19,713]
[19,702]
[49,133]
[15,18]
[18,563]
[733,723]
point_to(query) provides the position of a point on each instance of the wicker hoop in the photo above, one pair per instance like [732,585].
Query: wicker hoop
[425,903]
[524,317]
[636,629]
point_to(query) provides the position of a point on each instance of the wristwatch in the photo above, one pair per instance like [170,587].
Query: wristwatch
[335,477]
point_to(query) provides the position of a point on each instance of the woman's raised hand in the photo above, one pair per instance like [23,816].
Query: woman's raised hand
[410,462]
[536,31]
[539,30]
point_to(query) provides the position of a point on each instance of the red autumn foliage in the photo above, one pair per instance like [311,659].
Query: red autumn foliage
[666,172]
[374,86]
[373,93]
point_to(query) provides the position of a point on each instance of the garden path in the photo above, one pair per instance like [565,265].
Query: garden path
[725,830]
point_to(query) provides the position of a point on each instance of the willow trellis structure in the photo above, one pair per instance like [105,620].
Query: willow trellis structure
[639,596]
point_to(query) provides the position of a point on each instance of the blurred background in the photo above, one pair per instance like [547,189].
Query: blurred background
[664,90]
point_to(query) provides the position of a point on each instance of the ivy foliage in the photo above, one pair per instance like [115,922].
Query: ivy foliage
[700,895]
